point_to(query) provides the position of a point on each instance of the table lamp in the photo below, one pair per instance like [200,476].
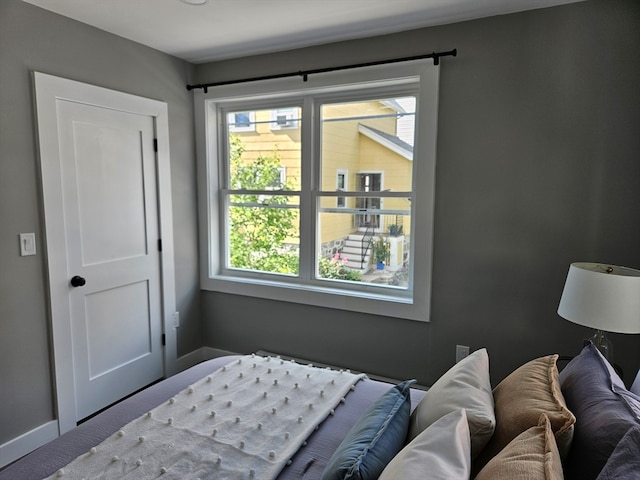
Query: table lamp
[603,297]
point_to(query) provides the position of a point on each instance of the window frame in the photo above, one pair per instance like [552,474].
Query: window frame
[416,77]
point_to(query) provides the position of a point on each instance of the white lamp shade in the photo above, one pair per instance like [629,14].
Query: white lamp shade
[603,297]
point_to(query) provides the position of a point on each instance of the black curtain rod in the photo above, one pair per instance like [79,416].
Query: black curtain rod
[305,73]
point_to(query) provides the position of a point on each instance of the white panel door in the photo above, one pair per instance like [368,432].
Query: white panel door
[104,158]
[111,223]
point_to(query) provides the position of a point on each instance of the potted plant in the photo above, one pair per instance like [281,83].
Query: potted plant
[395,230]
[380,252]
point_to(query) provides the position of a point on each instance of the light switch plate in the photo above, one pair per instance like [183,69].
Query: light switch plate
[27,244]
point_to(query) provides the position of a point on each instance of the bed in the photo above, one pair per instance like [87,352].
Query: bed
[309,462]
[579,422]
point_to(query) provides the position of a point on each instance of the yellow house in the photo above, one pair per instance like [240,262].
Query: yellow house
[366,146]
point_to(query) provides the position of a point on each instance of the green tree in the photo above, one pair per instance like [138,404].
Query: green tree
[257,235]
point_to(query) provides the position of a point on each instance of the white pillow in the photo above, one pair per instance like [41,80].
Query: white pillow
[465,386]
[442,451]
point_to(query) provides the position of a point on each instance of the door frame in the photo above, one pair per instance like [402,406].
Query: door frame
[48,90]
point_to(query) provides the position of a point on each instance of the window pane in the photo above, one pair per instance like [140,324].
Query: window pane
[372,140]
[264,158]
[367,146]
[376,254]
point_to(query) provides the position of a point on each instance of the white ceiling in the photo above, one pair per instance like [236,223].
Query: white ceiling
[221,29]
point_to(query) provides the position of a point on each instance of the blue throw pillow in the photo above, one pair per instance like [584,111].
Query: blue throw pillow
[375,438]
[604,409]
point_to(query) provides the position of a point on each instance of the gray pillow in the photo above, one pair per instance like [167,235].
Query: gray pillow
[624,462]
[605,411]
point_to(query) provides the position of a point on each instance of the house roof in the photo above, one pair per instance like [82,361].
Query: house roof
[392,142]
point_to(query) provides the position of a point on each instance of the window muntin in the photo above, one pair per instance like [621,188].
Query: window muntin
[410,78]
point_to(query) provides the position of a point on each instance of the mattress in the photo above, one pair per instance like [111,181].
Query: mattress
[308,463]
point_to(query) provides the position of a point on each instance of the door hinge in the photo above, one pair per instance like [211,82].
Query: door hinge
[159,244]
[155,145]
[164,340]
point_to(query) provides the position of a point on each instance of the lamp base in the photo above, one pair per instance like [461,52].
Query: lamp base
[603,344]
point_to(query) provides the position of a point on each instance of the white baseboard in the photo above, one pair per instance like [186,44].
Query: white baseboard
[27,442]
[189,360]
[210,353]
[200,355]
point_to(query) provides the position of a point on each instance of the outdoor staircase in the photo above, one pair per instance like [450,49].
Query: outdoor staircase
[353,248]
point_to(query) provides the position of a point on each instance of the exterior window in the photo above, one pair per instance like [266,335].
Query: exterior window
[241,121]
[283,215]
[284,118]
[341,186]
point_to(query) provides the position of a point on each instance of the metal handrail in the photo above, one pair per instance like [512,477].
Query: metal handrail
[365,249]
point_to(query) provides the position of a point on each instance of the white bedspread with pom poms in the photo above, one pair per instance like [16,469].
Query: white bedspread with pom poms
[246,420]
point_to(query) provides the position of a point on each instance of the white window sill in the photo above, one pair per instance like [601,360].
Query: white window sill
[375,303]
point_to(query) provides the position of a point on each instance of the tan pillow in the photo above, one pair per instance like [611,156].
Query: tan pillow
[532,455]
[520,398]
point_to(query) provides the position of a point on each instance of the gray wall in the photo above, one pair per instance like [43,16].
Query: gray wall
[34,39]
[538,166]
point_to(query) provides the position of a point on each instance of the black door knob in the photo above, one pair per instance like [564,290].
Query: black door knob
[77,281]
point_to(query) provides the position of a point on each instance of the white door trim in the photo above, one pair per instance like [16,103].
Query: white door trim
[49,89]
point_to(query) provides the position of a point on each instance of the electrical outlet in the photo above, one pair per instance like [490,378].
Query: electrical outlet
[462,351]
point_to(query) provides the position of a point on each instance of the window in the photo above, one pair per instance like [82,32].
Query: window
[281,214]
[284,118]
[342,185]
[241,122]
